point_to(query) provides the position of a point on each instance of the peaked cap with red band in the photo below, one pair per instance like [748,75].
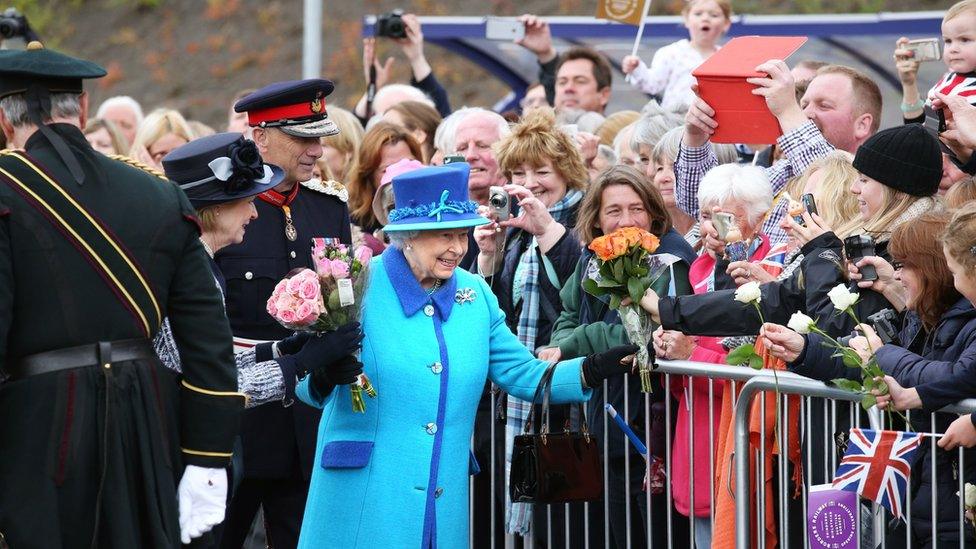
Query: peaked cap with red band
[296,107]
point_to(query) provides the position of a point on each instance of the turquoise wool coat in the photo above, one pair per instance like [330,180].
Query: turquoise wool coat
[397,476]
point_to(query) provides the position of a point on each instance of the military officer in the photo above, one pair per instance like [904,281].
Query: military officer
[287,120]
[98,442]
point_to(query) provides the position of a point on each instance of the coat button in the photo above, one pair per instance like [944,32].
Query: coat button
[436,368]
[429,310]
[293,255]
[431,428]
[249,275]
[438,492]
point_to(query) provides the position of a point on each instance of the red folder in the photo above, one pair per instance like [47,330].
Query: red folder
[742,117]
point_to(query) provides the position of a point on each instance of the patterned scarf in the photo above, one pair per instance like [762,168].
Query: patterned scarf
[525,288]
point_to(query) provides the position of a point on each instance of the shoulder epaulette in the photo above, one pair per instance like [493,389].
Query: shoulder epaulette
[330,187]
[137,164]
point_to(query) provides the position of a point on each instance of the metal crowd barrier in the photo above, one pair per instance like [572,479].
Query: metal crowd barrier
[819,402]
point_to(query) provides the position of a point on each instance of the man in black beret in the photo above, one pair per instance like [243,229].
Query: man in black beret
[101,446]
[287,121]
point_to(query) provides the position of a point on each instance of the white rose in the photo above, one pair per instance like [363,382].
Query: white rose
[748,293]
[800,323]
[841,298]
[970,495]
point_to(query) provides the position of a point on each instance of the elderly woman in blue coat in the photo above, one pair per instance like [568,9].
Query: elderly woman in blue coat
[397,476]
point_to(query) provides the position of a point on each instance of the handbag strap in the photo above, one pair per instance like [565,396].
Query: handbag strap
[543,388]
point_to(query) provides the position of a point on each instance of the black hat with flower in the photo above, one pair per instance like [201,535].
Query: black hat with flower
[220,168]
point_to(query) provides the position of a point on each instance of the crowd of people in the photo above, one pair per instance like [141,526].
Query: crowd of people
[481,222]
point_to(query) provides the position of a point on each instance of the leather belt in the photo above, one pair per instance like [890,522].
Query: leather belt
[92,354]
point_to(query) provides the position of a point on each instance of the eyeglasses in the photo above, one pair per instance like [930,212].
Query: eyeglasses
[897,265]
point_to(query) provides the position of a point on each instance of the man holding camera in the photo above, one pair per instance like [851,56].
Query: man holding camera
[405,30]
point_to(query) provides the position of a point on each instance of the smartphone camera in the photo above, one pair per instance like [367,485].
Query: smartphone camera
[809,203]
[860,246]
[453,158]
[500,203]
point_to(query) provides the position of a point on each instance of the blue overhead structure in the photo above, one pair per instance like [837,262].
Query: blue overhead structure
[863,41]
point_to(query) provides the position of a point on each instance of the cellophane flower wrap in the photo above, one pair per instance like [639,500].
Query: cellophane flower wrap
[625,266]
[326,298]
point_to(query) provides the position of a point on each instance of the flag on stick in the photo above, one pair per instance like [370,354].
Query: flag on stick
[877,465]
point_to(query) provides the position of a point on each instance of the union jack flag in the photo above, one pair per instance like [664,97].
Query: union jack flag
[953,83]
[877,465]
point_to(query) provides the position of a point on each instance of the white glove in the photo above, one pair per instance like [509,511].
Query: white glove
[203,499]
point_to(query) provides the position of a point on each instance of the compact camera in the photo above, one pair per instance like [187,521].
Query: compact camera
[500,203]
[390,25]
[14,25]
[857,247]
[884,323]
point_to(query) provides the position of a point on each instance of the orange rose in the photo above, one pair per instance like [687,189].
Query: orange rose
[602,247]
[632,234]
[650,242]
[620,245]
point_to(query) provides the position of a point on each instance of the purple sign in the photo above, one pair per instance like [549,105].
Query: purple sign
[832,517]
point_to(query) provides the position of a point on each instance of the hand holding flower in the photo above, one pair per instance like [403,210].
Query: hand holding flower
[897,397]
[781,342]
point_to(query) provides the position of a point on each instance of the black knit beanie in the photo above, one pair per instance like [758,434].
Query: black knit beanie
[906,158]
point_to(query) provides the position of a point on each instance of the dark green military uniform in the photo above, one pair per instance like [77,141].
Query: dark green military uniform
[91,455]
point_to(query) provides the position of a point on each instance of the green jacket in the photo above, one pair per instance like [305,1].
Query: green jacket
[587,325]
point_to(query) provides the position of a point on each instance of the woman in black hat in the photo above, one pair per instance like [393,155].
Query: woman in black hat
[222,174]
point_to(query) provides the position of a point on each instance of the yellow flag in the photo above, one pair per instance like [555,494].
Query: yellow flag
[628,12]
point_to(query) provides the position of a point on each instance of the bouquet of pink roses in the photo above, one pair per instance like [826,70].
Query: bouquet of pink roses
[326,298]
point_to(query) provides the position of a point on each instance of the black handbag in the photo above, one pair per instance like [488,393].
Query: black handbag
[554,467]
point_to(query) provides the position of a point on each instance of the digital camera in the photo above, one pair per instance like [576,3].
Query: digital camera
[391,25]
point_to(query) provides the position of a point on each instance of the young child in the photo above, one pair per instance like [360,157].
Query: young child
[959,55]
[670,72]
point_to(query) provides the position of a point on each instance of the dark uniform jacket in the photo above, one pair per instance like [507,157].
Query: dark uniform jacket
[56,448]
[277,436]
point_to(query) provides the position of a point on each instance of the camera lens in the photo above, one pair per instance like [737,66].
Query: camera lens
[9,28]
[497,201]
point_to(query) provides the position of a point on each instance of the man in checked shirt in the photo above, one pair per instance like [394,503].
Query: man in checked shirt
[840,109]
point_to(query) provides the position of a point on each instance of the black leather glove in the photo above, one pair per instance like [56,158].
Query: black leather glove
[341,372]
[293,343]
[600,366]
[322,350]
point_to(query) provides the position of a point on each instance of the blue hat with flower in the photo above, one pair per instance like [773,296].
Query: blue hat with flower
[220,168]
[433,198]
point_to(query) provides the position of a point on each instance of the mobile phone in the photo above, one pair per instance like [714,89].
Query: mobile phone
[453,158]
[499,202]
[809,203]
[925,49]
[722,222]
[504,28]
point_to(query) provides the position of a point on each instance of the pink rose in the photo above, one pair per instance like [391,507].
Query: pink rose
[294,283]
[309,288]
[287,316]
[307,313]
[340,269]
[364,254]
[322,265]
[272,307]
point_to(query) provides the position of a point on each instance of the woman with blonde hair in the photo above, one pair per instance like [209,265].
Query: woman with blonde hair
[105,136]
[340,150]
[161,132]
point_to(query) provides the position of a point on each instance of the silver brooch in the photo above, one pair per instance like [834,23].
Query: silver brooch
[465,295]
